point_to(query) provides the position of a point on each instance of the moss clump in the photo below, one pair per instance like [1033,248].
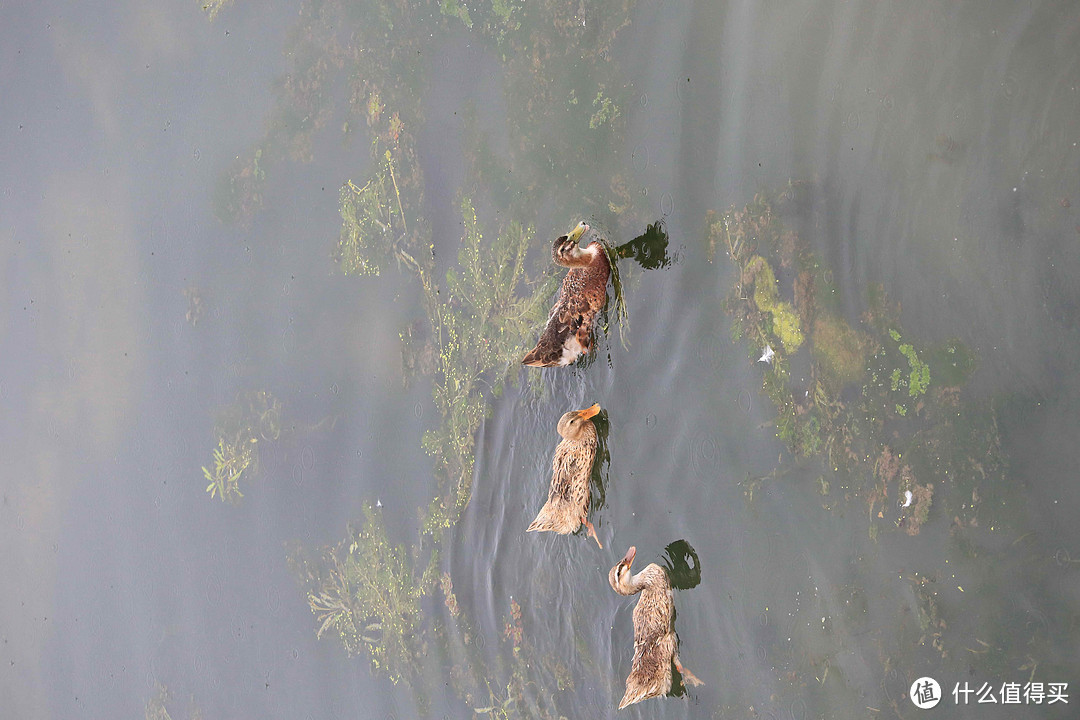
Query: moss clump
[952,363]
[785,322]
[786,326]
[841,352]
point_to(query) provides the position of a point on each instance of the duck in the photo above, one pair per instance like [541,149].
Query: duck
[567,505]
[656,647]
[567,334]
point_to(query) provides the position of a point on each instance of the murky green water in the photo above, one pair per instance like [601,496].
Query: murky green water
[271,271]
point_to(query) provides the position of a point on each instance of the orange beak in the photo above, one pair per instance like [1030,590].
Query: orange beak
[589,412]
[630,555]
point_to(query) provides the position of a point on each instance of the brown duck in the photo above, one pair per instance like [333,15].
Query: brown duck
[567,505]
[655,645]
[584,292]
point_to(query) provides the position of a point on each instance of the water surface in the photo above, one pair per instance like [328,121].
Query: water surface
[171,223]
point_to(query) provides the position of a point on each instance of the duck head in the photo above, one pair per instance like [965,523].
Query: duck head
[577,424]
[620,578]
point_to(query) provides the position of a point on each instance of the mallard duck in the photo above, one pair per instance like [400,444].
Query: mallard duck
[567,505]
[655,645]
[583,294]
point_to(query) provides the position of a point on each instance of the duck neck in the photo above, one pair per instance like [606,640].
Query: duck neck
[644,580]
[572,255]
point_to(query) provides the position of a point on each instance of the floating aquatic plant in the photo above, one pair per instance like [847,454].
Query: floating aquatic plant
[649,250]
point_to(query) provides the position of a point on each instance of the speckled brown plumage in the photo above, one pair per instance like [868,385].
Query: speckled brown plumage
[655,646]
[567,505]
[568,332]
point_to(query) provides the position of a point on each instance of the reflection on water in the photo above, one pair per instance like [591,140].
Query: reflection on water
[601,468]
[649,249]
[682,565]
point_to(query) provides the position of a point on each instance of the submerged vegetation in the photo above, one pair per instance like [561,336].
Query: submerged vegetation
[350,67]
[481,313]
[254,416]
[230,462]
[874,409]
[478,327]
[347,70]
[479,321]
[373,221]
[883,424]
[364,593]
[156,707]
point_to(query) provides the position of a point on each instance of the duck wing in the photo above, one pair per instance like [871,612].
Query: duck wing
[567,322]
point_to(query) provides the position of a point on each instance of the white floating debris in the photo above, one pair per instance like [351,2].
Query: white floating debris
[767,355]
[378,502]
[907,498]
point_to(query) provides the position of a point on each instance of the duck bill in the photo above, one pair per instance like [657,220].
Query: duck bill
[577,232]
[589,412]
[630,554]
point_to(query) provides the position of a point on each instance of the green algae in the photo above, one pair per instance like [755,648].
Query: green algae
[783,324]
[606,111]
